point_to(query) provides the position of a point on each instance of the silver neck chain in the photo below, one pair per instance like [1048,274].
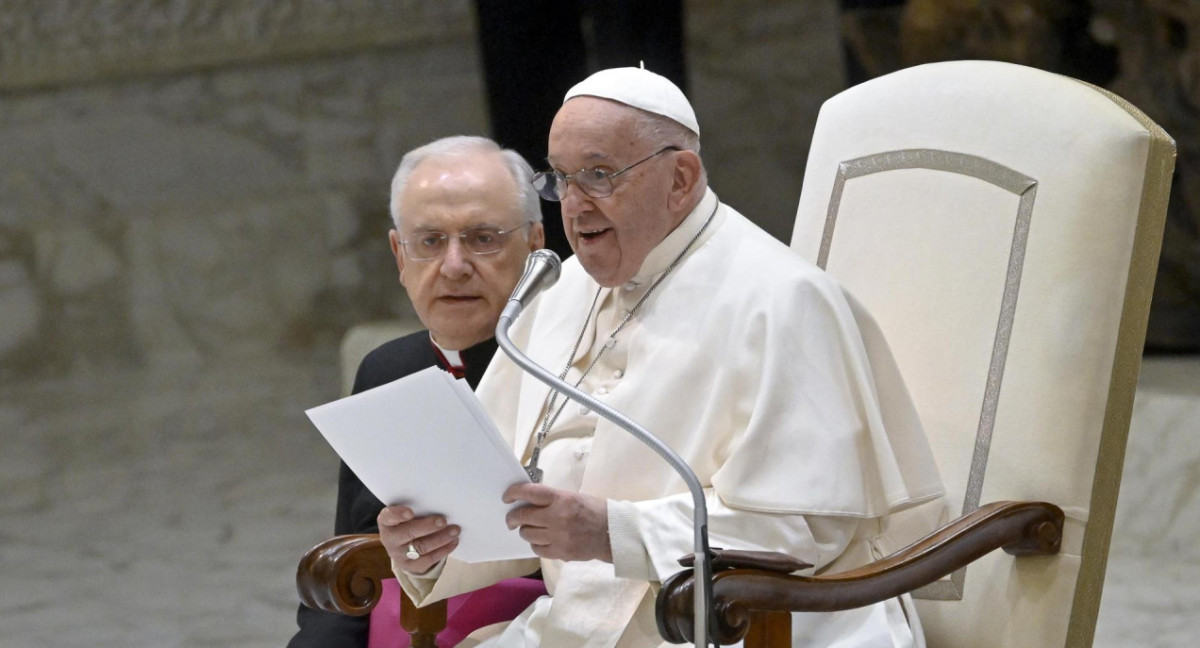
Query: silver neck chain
[535,473]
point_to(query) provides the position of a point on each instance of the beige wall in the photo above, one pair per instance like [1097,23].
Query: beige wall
[209,178]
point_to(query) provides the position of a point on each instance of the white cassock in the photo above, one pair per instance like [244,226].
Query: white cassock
[747,361]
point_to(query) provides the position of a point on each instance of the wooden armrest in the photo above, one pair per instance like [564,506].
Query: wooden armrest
[1020,528]
[344,574]
[771,561]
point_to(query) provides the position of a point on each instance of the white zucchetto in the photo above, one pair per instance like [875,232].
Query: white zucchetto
[639,88]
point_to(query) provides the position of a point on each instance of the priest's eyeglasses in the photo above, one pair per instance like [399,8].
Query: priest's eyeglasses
[483,240]
[552,185]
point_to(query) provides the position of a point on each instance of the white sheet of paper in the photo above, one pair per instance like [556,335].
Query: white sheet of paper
[426,442]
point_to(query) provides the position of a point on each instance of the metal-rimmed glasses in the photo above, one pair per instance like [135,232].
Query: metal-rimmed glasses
[595,182]
[482,240]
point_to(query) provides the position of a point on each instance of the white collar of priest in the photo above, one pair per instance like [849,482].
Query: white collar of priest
[453,358]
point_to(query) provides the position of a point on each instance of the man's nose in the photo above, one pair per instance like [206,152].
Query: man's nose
[575,201]
[456,263]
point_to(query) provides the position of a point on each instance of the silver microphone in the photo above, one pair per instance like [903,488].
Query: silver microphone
[541,271]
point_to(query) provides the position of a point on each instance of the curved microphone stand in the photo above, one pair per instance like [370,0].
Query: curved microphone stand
[540,271]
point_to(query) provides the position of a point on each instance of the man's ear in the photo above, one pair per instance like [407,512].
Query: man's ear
[684,178]
[537,237]
[394,242]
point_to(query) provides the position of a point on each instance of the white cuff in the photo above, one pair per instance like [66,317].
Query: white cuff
[420,585]
[630,559]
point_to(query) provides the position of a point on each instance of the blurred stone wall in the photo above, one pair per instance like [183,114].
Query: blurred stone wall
[186,180]
[205,179]
[1159,46]
[759,72]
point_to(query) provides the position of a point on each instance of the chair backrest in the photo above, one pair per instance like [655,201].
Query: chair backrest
[1002,225]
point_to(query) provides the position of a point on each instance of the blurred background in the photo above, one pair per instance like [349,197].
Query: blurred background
[193,213]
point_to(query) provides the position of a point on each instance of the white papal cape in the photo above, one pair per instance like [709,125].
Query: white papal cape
[747,361]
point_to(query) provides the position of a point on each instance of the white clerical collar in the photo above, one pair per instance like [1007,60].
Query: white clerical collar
[665,252]
[453,358]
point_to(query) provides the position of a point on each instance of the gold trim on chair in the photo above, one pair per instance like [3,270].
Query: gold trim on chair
[1005,178]
[1127,359]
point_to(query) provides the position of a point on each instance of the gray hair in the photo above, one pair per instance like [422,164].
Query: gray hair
[524,195]
[660,132]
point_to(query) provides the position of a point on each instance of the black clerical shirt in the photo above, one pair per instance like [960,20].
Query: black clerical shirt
[357,508]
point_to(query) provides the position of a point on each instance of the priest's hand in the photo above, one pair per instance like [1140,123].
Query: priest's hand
[429,538]
[560,524]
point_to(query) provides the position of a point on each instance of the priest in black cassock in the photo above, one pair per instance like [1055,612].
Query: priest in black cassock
[466,217]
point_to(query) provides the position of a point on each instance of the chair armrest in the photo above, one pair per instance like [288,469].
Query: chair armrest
[771,561]
[1020,528]
[344,574]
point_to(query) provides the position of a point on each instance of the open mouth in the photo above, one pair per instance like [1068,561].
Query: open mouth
[589,235]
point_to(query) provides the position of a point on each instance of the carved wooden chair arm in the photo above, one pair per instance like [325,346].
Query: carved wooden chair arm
[772,561]
[1020,528]
[344,574]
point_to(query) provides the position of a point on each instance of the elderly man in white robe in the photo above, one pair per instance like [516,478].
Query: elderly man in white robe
[740,355]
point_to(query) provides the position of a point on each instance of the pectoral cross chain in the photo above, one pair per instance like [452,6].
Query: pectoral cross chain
[535,473]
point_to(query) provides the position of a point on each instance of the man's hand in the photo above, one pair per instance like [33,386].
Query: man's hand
[560,524]
[430,536]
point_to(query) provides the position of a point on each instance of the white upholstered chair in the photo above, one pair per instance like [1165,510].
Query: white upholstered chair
[1001,225]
